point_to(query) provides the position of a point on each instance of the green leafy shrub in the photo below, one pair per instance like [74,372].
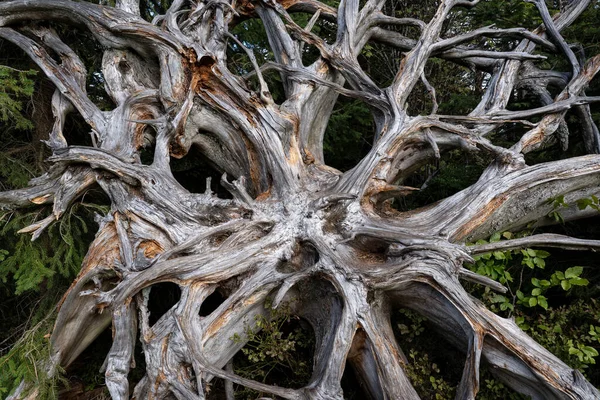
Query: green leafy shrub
[14,86]
[492,389]
[591,202]
[278,350]
[25,361]
[424,376]
[433,371]
[570,332]
[34,275]
[532,283]
[435,367]
[55,256]
[14,173]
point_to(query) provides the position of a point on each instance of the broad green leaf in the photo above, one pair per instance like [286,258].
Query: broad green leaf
[495,237]
[533,302]
[573,272]
[579,281]
[557,329]
[573,350]
[542,254]
[582,204]
[539,262]
[543,302]
[590,351]
[520,295]
[559,275]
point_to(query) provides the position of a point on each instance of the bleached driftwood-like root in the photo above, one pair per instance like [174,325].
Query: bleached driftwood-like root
[296,231]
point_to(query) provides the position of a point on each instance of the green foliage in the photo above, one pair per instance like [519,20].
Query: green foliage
[424,372]
[530,287]
[585,354]
[277,350]
[33,266]
[14,173]
[591,202]
[453,173]
[434,368]
[570,332]
[505,14]
[424,376]
[557,204]
[15,86]
[26,361]
[413,326]
[491,389]
[348,135]
[585,30]
[566,279]
[531,291]
[35,275]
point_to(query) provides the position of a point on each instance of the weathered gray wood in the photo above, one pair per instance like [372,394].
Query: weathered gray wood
[296,229]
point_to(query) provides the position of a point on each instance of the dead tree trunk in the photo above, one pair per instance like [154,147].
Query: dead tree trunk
[295,228]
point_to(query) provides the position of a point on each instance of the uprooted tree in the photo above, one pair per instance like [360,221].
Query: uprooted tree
[328,243]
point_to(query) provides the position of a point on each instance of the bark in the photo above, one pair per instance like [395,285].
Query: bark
[292,220]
